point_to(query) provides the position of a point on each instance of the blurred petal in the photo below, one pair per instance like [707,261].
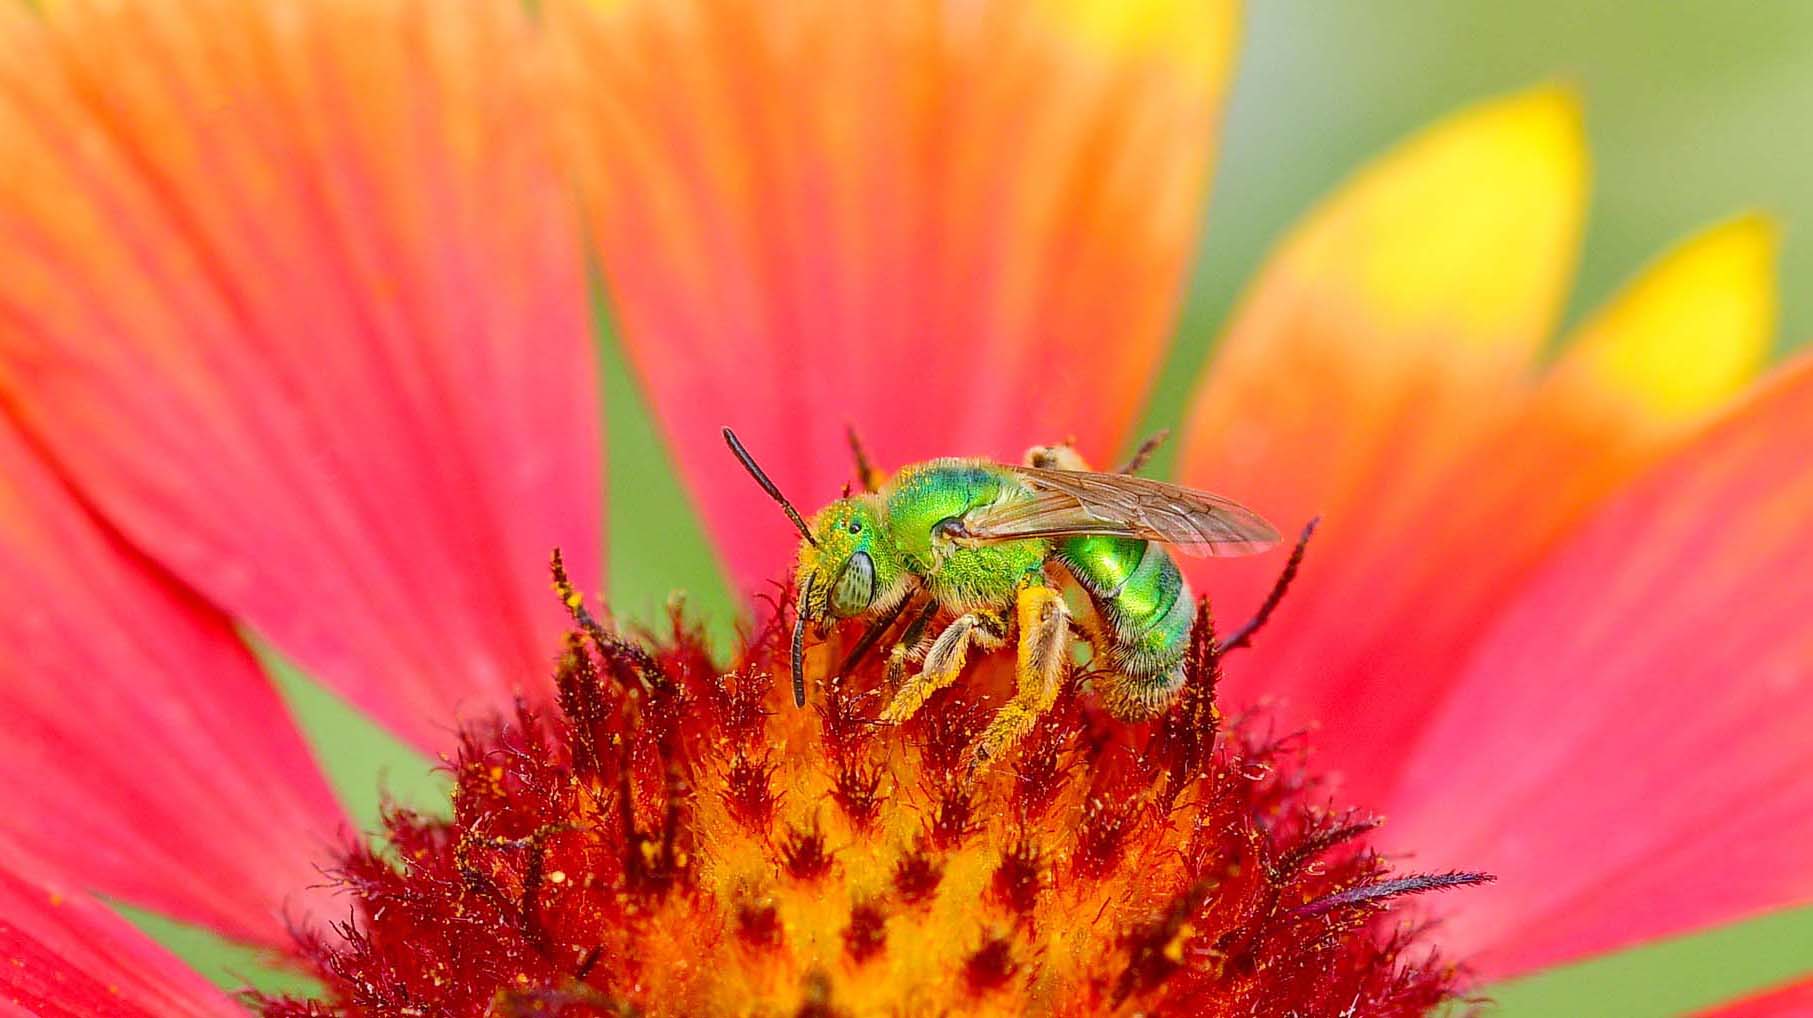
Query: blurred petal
[1434,577]
[294,298]
[149,757]
[963,232]
[1685,339]
[1390,332]
[1660,662]
[63,955]
[1423,287]
[1792,1001]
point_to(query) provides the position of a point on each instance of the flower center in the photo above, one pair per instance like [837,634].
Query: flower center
[670,839]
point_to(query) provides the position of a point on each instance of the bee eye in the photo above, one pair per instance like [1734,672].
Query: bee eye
[855,586]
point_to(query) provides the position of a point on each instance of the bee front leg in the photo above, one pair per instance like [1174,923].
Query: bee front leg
[911,646]
[1044,642]
[944,662]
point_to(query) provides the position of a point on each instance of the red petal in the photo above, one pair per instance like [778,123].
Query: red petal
[1792,1001]
[64,956]
[1392,329]
[1443,474]
[294,296]
[963,232]
[1628,751]
[150,759]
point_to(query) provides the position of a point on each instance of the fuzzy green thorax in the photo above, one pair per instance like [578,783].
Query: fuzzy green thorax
[921,496]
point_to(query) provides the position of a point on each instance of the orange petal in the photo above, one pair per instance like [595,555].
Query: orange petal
[1388,333]
[1422,288]
[295,297]
[148,756]
[63,955]
[1432,576]
[1628,748]
[960,228]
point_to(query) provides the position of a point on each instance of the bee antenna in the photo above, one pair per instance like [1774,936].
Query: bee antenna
[761,478]
[797,649]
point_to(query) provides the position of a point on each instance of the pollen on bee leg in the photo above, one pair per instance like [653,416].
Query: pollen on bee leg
[1044,624]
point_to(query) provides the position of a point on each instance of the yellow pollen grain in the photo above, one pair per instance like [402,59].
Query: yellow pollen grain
[1174,948]
[557,877]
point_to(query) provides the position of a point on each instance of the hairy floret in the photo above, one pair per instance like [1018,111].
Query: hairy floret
[672,839]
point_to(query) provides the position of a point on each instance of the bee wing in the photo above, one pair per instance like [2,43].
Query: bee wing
[1073,502]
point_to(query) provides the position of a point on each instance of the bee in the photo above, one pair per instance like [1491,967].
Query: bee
[989,543]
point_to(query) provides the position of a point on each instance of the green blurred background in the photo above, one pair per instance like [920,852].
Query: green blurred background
[1695,110]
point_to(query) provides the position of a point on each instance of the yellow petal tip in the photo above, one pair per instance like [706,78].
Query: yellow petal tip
[1469,229]
[1692,330]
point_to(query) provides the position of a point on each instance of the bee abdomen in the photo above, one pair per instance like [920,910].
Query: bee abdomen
[1146,613]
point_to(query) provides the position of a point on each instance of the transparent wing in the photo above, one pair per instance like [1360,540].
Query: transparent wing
[1071,502]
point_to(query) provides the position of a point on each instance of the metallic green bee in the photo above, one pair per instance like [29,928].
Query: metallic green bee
[980,538]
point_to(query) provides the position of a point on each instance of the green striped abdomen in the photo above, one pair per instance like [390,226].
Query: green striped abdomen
[1146,615]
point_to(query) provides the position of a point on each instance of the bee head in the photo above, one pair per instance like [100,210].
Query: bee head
[850,567]
[847,565]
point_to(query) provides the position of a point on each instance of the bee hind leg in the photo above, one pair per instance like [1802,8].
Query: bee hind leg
[1063,455]
[944,662]
[1134,698]
[1044,622]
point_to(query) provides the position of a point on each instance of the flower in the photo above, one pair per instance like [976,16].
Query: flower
[294,337]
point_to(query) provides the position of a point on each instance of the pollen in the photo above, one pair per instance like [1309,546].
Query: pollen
[674,838]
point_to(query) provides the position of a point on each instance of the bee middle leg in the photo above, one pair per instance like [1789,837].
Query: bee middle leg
[1044,622]
[944,662]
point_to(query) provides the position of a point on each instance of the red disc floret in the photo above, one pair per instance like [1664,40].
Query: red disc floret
[670,838]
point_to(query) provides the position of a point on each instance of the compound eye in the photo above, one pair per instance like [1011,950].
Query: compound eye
[855,586]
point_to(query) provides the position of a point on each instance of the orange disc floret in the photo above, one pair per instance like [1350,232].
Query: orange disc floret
[670,839]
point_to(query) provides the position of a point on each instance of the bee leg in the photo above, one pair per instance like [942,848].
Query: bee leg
[944,662]
[911,646]
[1135,698]
[1143,454]
[1063,456]
[866,474]
[1059,456]
[1044,640]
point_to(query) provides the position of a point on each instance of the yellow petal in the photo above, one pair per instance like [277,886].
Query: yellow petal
[1400,317]
[1686,336]
[1391,336]
[1470,229]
